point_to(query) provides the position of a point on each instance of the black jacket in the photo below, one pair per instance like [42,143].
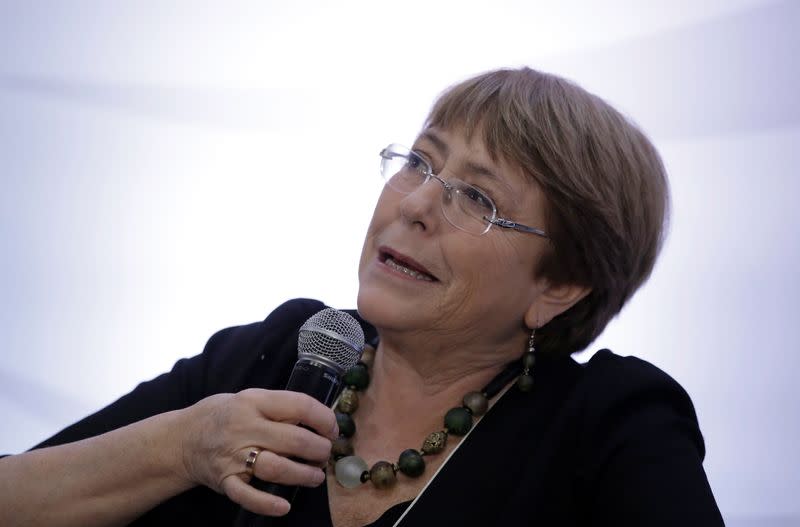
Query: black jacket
[613,442]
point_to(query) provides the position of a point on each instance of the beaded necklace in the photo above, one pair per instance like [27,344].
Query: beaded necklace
[351,470]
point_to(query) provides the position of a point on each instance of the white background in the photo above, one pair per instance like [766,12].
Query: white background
[169,169]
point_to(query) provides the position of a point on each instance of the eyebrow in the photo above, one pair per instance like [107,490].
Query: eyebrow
[436,140]
[471,166]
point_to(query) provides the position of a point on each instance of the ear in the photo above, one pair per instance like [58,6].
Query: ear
[554,300]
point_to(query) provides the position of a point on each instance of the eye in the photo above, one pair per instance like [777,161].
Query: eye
[419,160]
[414,162]
[477,197]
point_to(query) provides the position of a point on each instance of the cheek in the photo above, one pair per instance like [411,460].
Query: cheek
[505,269]
[386,209]
[479,266]
[382,215]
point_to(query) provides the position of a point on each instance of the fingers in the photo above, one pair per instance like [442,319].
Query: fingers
[294,441]
[223,429]
[254,500]
[278,469]
[295,408]
[273,468]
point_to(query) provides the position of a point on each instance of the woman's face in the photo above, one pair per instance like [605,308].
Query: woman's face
[418,273]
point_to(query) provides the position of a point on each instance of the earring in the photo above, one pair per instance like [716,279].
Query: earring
[525,381]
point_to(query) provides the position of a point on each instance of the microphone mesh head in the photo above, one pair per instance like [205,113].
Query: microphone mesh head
[331,335]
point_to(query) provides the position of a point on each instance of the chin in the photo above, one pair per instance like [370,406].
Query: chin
[369,306]
[377,307]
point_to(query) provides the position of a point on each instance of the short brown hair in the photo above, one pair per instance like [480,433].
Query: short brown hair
[607,196]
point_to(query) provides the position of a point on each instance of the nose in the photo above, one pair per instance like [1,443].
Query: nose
[422,207]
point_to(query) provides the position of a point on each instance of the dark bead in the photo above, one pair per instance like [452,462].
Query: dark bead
[367,356]
[382,475]
[476,402]
[347,427]
[458,421]
[342,447]
[434,443]
[357,377]
[528,360]
[525,383]
[348,401]
[411,463]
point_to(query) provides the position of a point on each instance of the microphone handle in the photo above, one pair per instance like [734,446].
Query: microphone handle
[323,384]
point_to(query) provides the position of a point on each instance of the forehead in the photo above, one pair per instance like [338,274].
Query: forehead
[455,141]
[468,153]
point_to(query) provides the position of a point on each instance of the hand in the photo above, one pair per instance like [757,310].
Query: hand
[221,430]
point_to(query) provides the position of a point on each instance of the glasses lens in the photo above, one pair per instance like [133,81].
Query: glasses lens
[464,206]
[403,170]
[468,208]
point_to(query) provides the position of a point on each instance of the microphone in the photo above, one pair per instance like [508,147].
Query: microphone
[329,343]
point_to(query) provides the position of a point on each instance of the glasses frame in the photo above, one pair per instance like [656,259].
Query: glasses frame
[395,149]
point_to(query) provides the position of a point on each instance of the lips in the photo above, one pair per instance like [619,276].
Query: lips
[405,264]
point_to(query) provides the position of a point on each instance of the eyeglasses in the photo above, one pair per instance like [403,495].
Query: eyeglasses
[464,206]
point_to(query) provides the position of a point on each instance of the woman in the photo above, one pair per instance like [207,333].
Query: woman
[523,217]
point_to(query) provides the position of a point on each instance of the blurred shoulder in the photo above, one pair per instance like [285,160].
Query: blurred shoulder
[295,310]
[293,313]
[282,321]
[281,325]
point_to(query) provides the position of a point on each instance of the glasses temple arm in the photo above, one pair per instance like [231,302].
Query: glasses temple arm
[508,224]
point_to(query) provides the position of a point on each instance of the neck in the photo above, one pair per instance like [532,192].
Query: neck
[435,373]
[412,388]
[433,364]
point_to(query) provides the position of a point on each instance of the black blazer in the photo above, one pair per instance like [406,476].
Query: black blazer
[612,442]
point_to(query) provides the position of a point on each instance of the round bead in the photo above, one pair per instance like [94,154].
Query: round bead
[411,463]
[348,401]
[342,447]
[434,443]
[348,471]
[367,356]
[476,402]
[357,377]
[347,427]
[528,360]
[525,383]
[382,475]
[458,421]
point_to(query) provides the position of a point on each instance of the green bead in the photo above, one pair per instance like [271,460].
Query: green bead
[458,421]
[357,377]
[382,475]
[347,427]
[476,402]
[525,383]
[411,463]
[528,360]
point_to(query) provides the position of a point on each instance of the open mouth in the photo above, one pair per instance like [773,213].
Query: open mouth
[409,268]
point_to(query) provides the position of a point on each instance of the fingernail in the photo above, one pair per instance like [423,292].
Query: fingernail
[335,431]
[283,508]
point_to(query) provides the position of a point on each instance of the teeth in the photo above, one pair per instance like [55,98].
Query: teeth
[410,272]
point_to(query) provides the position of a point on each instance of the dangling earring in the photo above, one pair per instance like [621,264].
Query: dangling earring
[525,381]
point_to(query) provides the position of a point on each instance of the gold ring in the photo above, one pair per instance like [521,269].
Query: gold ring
[250,462]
